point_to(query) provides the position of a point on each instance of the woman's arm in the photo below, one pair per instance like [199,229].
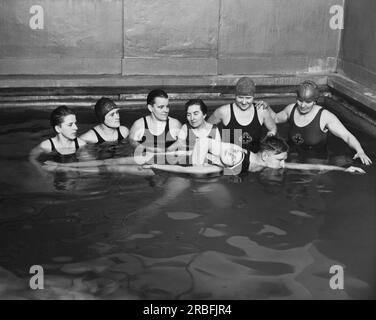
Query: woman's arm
[313,166]
[195,170]
[336,127]
[269,122]
[137,159]
[43,147]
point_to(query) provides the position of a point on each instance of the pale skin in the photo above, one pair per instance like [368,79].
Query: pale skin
[244,111]
[66,132]
[107,130]
[157,121]
[229,155]
[328,122]
[198,124]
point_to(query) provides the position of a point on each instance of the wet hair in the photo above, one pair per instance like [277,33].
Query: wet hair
[102,107]
[274,144]
[156,93]
[58,115]
[308,91]
[199,102]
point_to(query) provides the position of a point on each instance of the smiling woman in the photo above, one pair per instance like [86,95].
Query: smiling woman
[309,124]
[157,131]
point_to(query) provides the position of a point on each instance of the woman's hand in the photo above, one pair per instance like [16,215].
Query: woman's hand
[261,105]
[355,170]
[363,157]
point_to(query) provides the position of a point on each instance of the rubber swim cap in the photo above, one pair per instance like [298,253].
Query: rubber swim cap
[308,91]
[245,87]
[104,106]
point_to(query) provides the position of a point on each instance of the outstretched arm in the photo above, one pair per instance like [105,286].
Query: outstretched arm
[137,159]
[93,163]
[338,129]
[323,167]
[195,170]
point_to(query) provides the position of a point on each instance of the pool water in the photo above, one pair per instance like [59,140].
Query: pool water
[107,235]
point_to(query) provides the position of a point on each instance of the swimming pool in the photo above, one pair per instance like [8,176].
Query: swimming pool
[267,235]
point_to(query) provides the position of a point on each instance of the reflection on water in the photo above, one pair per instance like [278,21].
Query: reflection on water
[111,235]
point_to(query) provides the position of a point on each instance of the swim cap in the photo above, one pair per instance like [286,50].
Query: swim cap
[245,87]
[308,91]
[104,106]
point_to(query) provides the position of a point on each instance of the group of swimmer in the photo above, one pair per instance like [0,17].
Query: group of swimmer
[238,137]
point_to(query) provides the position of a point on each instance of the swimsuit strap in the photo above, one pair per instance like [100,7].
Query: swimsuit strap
[232,113]
[316,120]
[319,113]
[76,144]
[255,116]
[167,128]
[99,137]
[145,124]
[292,113]
[52,145]
[120,136]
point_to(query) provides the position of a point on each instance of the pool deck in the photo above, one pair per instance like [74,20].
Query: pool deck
[131,90]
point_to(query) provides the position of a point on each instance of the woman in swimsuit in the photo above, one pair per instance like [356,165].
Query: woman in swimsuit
[310,123]
[109,128]
[64,145]
[196,127]
[232,159]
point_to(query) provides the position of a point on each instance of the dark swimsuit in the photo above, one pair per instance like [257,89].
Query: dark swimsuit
[246,162]
[109,149]
[243,166]
[101,140]
[309,137]
[164,140]
[63,158]
[251,133]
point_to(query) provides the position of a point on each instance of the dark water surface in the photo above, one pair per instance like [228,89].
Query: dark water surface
[267,235]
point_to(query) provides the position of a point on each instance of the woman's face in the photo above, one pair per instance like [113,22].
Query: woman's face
[305,107]
[230,157]
[195,116]
[160,108]
[68,128]
[244,102]
[112,119]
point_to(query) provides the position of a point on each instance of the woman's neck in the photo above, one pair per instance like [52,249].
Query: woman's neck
[63,141]
[107,130]
[157,122]
[204,126]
